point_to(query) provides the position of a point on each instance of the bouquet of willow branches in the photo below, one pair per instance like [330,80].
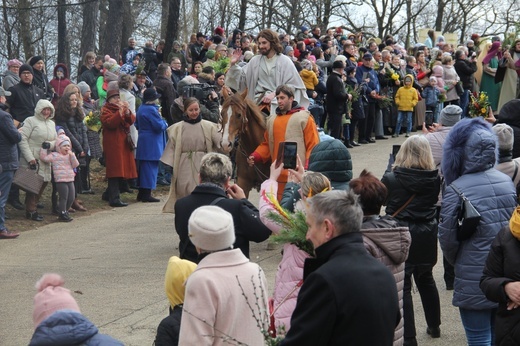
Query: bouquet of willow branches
[294,226]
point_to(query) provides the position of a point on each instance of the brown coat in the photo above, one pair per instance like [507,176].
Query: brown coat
[119,157]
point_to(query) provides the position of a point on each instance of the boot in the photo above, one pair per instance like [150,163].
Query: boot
[64,217]
[147,196]
[33,215]
[77,206]
[140,195]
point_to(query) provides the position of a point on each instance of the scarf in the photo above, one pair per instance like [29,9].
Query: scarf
[514,223]
[192,121]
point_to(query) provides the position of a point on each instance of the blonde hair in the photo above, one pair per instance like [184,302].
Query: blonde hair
[415,153]
[446,59]
[314,183]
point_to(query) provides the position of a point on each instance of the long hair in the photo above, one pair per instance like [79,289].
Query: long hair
[87,56]
[64,111]
[272,38]
[314,183]
[415,153]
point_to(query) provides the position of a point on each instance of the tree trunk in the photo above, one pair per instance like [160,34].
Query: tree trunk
[112,41]
[25,28]
[129,23]
[8,31]
[89,27]
[242,18]
[103,19]
[196,6]
[172,26]
[165,5]
[441,4]
[63,39]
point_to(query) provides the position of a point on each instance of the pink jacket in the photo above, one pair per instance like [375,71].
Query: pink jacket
[62,165]
[290,269]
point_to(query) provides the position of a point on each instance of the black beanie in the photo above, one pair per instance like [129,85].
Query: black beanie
[35,59]
[25,67]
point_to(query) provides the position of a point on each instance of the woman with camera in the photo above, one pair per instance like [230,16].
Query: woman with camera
[208,100]
[36,130]
[118,146]
[467,164]
[188,142]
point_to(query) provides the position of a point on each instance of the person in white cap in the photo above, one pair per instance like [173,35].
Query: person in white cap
[226,296]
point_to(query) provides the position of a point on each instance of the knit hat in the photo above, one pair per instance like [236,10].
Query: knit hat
[304,28]
[211,228]
[450,115]
[514,223]
[367,56]
[83,87]
[219,31]
[35,59]
[306,64]
[177,273]
[150,94]
[14,62]
[51,297]
[504,135]
[510,109]
[287,49]
[25,67]
[210,54]
[338,64]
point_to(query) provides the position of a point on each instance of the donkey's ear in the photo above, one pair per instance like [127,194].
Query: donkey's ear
[243,95]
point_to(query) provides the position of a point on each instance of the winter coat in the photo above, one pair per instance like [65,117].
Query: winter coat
[289,276]
[41,81]
[152,138]
[337,97]
[67,327]
[129,67]
[169,328]
[248,226]
[168,93]
[346,296]
[23,100]
[389,243]
[35,131]
[465,70]
[406,97]
[119,156]
[90,77]
[76,130]
[62,165]
[451,78]
[309,79]
[431,96]
[501,268]
[373,85]
[9,138]
[10,79]
[60,84]
[468,159]
[419,214]
[509,116]
[216,304]
[332,159]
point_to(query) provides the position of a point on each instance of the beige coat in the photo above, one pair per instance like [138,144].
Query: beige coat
[35,131]
[173,151]
[216,301]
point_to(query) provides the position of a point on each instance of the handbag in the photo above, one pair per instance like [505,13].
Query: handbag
[459,88]
[468,218]
[28,179]
[129,139]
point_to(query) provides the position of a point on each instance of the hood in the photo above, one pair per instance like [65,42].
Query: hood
[131,55]
[206,77]
[177,273]
[417,180]
[408,76]
[294,108]
[509,113]
[395,241]
[332,159]
[65,70]
[40,107]
[64,327]
[469,147]
[306,73]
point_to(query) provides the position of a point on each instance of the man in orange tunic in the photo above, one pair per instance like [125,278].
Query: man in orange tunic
[291,123]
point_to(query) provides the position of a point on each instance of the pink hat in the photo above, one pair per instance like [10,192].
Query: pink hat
[14,62]
[51,297]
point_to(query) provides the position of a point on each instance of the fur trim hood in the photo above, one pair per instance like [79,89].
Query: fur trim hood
[65,70]
[470,147]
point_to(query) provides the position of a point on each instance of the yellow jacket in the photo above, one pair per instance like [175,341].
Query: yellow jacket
[309,79]
[406,97]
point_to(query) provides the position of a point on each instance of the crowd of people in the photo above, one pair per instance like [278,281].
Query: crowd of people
[153,122]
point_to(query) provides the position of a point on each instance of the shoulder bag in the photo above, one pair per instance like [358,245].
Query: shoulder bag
[468,217]
[28,179]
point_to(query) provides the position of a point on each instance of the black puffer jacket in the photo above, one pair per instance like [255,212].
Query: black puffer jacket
[9,137]
[419,215]
[509,115]
[332,159]
[76,130]
[501,268]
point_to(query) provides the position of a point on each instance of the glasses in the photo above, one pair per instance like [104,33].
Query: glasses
[26,73]
[176,63]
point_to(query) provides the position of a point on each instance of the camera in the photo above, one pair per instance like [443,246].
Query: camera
[200,91]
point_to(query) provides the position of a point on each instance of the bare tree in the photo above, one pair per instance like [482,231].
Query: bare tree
[112,34]
[25,27]
[63,39]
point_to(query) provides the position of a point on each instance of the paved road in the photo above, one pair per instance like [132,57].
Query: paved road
[115,260]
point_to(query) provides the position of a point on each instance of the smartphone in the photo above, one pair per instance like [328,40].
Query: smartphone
[428,118]
[395,150]
[287,154]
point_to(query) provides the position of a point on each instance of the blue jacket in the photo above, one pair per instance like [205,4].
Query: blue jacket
[431,96]
[152,138]
[9,138]
[374,81]
[468,159]
[67,327]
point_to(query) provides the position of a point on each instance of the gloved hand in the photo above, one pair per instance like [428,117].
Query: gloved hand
[46,145]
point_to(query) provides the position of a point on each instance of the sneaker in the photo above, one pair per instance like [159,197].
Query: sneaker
[64,217]
[33,216]
[395,135]
[407,135]
[5,234]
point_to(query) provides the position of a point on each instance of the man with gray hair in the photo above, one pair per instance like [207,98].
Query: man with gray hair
[215,189]
[347,297]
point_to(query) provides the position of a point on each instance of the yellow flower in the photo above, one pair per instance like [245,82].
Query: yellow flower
[395,76]
[483,111]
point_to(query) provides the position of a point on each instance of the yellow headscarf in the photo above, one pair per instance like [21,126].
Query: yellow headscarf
[514,223]
[177,272]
